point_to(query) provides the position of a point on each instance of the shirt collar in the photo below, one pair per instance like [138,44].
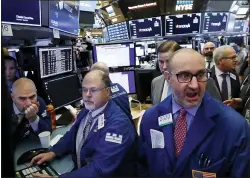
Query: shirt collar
[218,72]
[176,107]
[16,110]
[99,110]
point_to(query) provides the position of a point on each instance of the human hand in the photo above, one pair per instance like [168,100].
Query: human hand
[38,175]
[234,102]
[31,111]
[41,158]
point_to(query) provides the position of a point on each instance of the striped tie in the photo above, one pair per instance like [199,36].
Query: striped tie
[85,134]
[180,131]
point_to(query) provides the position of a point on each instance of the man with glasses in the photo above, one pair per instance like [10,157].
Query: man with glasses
[190,133]
[102,141]
[224,74]
[207,51]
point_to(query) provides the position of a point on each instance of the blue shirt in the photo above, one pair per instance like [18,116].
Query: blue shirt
[190,112]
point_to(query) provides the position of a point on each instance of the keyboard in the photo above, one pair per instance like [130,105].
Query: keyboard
[42,169]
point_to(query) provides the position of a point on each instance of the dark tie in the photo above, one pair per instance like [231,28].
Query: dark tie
[180,131]
[224,89]
[209,64]
[86,130]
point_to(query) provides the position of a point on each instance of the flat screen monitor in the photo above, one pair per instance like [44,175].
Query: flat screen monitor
[125,79]
[115,55]
[215,22]
[186,46]
[55,60]
[59,95]
[240,26]
[118,31]
[150,27]
[183,24]
[64,16]
[140,51]
[21,12]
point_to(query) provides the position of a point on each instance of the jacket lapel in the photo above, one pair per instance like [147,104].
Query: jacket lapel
[165,107]
[202,125]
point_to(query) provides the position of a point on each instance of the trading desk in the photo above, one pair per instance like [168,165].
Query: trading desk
[61,165]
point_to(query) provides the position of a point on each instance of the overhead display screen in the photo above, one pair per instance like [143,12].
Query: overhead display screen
[215,22]
[149,27]
[64,16]
[118,31]
[240,26]
[21,12]
[183,24]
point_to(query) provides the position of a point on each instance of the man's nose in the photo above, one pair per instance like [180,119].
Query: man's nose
[28,102]
[193,83]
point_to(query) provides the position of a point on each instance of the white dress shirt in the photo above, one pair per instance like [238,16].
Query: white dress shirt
[164,91]
[34,124]
[207,63]
[219,77]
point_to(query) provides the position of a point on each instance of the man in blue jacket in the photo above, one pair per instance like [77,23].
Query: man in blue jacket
[103,140]
[29,110]
[118,94]
[190,134]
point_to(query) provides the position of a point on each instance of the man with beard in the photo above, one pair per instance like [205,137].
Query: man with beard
[223,73]
[190,133]
[208,49]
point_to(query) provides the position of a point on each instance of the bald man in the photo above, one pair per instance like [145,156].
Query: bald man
[190,133]
[118,94]
[207,51]
[29,115]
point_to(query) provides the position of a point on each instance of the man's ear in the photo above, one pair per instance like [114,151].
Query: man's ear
[12,96]
[167,76]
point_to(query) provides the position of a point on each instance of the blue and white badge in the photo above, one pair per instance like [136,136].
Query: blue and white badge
[114,89]
[165,119]
[232,76]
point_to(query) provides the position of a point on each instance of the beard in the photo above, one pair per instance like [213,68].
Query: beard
[209,54]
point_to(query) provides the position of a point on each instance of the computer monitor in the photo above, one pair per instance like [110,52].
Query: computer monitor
[55,60]
[115,55]
[126,79]
[118,31]
[186,46]
[150,27]
[63,91]
[215,22]
[140,50]
[240,26]
[182,24]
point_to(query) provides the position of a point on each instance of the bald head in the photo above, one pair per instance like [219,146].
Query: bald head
[98,77]
[23,84]
[183,57]
[100,66]
[208,49]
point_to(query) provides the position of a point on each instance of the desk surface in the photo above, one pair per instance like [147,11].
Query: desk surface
[61,165]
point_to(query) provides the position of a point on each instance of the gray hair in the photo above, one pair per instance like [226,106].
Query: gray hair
[100,66]
[220,53]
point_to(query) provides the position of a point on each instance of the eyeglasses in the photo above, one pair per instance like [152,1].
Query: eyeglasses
[91,90]
[232,58]
[186,77]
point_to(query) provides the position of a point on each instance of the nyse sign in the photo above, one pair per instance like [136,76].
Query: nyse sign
[183,7]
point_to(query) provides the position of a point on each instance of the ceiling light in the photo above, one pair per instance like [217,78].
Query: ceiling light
[242,10]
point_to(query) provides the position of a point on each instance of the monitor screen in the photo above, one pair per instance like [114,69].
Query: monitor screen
[149,27]
[239,26]
[21,12]
[215,22]
[183,24]
[59,95]
[118,31]
[140,51]
[64,16]
[115,55]
[125,79]
[55,60]
[186,46]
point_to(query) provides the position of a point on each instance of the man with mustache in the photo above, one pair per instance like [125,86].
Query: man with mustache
[208,49]
[102,141]
[190,133]
[30,113]
[224,74]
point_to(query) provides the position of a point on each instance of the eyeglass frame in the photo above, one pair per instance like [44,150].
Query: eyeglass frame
[94,90]
[231,58]
[177,76]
